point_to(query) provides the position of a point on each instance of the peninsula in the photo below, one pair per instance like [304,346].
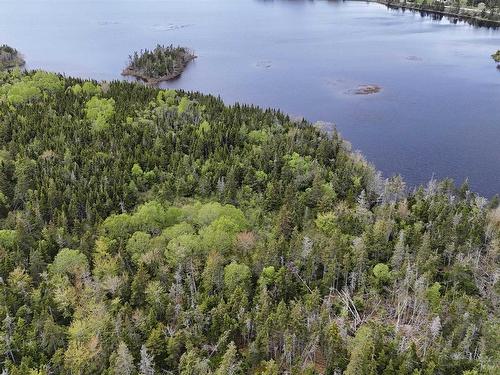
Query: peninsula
[160,64]
[10,58]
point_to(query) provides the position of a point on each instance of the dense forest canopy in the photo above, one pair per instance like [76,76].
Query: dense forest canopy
[148,231]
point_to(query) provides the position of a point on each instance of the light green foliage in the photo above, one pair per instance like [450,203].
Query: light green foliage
[88,88]
[22,91]
[137,170]
[176,230]
[31,87]
[166,97]
[220,234]
[261,176]
[47,81]
[267,276]
[326,222]
[19,281]
[258,136]
[76,89]
[183,105]
[8,239]
[150,176]
[297,163]
[117,226]
[84,329]
[210,212]
[204,128]
[91,89]
[182,247]
[83,355]
[137,245]
[227,224]
[434,296]
[99,112]
[153,217]
[105,265]
[69,261]
[381,273]
[236,276]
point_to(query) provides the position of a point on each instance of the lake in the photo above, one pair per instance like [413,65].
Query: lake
[438,113]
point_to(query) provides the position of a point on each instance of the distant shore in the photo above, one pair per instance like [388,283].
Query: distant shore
[469,15]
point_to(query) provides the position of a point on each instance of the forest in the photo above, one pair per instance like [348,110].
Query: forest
[160,64]
[147,231]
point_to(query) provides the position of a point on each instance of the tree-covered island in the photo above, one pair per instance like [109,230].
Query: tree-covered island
[10,57]
[161,64]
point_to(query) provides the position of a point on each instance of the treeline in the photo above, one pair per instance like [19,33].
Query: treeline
[148,231]
[489,4]
[477,13]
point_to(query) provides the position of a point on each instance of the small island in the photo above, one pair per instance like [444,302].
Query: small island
[496,57]
[10,58]
[160,64]
[365,90]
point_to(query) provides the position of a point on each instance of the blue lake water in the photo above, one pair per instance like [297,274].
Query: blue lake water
[438,113]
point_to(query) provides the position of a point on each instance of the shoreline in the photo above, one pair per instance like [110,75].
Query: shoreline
[475,20]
